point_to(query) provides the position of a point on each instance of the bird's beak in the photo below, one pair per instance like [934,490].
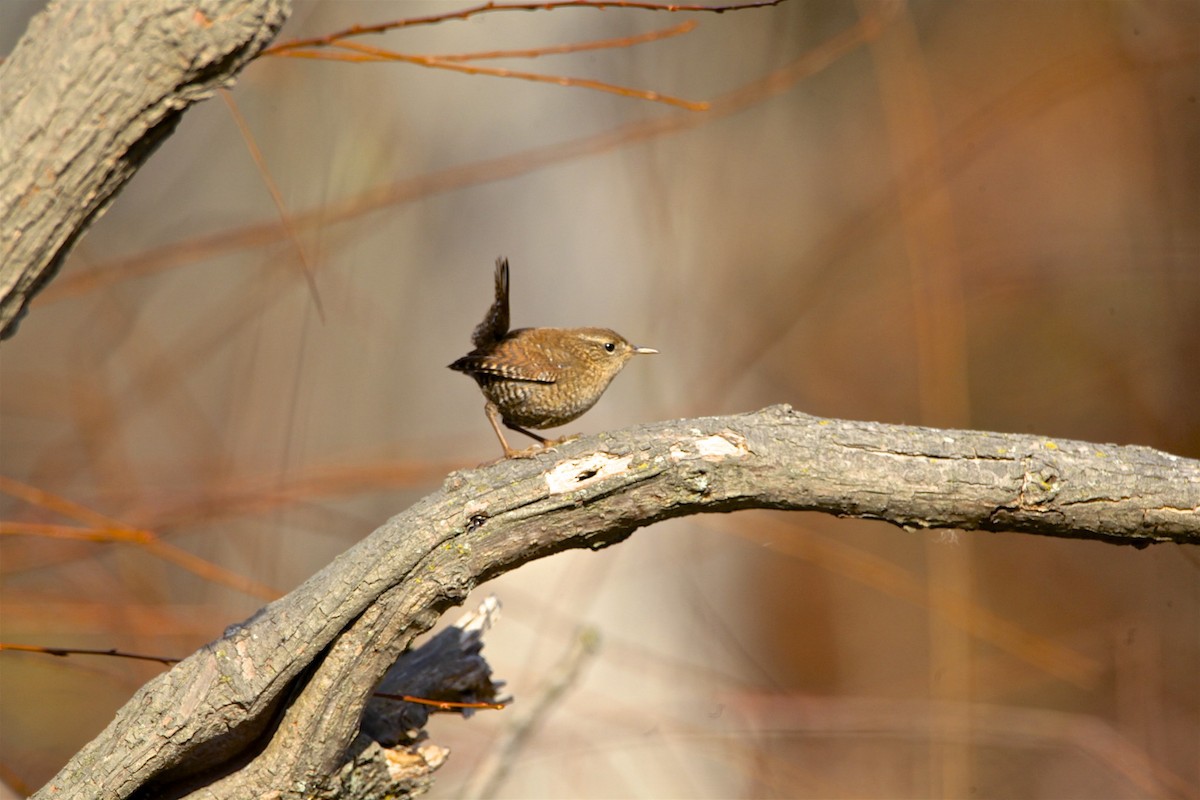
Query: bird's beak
[645,350]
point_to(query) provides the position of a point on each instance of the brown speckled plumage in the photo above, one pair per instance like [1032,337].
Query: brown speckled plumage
[540,377]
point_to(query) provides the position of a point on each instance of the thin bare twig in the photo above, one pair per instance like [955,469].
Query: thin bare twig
[584,83]
[577,47]
[101,528]
[260,234]
[63,652]
[285,216]
[461,14]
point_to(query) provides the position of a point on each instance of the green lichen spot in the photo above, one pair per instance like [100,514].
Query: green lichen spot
[1050,446]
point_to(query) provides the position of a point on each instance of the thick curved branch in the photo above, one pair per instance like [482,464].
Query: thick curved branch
[89,92]
[276,702]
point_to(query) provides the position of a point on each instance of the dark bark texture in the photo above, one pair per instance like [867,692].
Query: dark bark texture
[273,708]
[87,95]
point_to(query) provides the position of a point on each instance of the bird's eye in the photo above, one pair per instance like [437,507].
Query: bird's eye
[610,347]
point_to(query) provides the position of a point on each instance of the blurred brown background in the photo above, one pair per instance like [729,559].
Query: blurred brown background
[984,216]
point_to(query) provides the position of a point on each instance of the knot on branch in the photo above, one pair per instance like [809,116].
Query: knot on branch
[1040,483]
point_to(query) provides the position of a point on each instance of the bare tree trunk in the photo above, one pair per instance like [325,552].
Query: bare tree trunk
[86,96]
[274,706]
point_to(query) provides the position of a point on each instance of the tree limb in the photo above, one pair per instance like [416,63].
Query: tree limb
[87,95]
[274,704]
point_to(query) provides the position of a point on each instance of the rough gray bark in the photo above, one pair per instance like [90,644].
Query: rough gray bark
[273,707]
[89,92]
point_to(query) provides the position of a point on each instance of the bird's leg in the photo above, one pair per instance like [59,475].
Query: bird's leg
[495,418]
[546,444]
[541,439]
[493,415]
[543,444]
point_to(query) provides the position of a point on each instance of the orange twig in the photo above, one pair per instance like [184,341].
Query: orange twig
[52,502]
[559,49]
[362,30]
[52,531]
[444,705]
[105,529]
[196,249]
[584,83]
[578,47]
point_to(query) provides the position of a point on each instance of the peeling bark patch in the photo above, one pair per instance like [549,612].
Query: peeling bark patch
[579,473]
[714,448]
[197,691]
[247,660]
[411,763]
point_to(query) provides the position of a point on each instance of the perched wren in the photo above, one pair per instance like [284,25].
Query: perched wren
[539,377]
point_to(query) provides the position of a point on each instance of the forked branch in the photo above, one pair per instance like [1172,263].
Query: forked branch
[275,704]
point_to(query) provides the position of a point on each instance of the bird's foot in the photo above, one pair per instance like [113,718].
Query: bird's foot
[528,452]
[550,444]
[543,446]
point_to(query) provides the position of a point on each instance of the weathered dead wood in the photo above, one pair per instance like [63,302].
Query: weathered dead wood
[274,705]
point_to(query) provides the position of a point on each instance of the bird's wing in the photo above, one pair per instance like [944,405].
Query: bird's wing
[514,360]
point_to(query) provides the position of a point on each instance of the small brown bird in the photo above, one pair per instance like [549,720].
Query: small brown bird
[539,377]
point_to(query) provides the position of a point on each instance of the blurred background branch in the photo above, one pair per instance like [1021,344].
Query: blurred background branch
[956,215]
